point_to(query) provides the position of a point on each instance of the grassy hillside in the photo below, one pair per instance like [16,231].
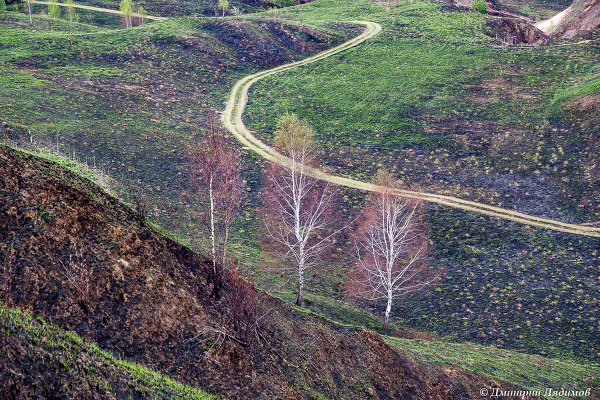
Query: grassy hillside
[149,302]
[43,361]
[531,372]
[433,98]
[131,100]
[210,8]
[534,9]
[39,353]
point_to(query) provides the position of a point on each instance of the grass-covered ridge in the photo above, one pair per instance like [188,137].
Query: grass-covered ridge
[40,359]
[133,98]
[433,99]
[528,371]
[589,87]
[152,305]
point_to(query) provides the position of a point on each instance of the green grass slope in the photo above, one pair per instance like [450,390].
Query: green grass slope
[534,373]
[130,100]
[180,8]
[435,100]
[432,98]
[40,360]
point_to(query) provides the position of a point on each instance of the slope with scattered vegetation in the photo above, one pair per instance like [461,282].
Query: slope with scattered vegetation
[40,360]
[430,76]
[434,100]
[533,372]
[581,18]
[148,301]
[130,100]
[440,103]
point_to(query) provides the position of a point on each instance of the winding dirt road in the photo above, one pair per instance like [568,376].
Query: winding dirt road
[99,9]
[238,99]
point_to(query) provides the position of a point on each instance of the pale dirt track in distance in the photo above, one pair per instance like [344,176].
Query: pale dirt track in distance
[99,9]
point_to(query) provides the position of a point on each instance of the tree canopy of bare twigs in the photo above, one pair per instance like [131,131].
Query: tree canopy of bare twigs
[214,170]
[79,275]
[299,207]
[392,247]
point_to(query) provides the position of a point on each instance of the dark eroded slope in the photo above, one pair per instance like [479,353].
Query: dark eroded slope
[150,303]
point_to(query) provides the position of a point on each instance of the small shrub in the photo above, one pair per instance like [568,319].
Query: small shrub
[525,10]
[243,305]
[480,6]
[141,208]
[54,9]
[79,276]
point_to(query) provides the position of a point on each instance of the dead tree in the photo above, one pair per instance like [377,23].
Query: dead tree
[392,247]
[214,171]
[79,275]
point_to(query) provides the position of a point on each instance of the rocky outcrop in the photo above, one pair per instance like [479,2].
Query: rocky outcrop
[515,31]
[581,18]
[507,27]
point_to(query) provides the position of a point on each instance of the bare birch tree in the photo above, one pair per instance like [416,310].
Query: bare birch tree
[392,247]
[143,15]
[216,182]
[29,11]
[299,207]
[224,5]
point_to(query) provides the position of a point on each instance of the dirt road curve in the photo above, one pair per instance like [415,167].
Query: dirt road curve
[232,119]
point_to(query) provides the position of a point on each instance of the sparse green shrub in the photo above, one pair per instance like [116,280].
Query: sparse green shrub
[236,11]
[525,10]
[2,6]
[53,9]
[223,5]
[71,14]
[480,6]
[278,3]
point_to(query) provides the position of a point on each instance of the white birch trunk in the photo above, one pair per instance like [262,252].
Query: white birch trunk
[212,229]
[301,277]
[29,8]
